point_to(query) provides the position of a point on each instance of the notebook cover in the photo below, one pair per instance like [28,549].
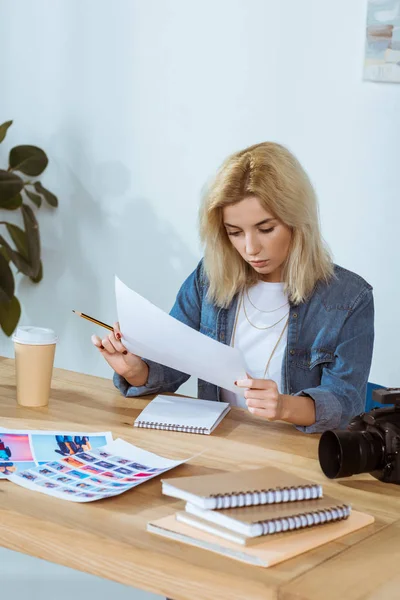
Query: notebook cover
[236,482]
[272,550]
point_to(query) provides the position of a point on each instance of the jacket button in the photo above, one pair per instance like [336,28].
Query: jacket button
[222,336]
[291,352]
[294,315]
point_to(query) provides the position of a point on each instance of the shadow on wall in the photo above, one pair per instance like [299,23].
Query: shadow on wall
[93,236]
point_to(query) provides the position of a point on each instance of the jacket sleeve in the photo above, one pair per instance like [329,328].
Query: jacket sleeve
[342,392]
[187,309]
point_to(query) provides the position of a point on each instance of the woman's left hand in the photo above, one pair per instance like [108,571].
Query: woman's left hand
[262,398]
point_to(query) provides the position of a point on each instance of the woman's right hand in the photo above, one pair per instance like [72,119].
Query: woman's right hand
[128,365]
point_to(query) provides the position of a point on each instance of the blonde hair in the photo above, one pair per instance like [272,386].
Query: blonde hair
[271,173]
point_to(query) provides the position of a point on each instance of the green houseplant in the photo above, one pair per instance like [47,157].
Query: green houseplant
[20,247]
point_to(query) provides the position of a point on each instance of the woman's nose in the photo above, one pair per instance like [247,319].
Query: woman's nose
[252,246]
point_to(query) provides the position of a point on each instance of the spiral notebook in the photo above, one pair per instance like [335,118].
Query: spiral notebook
[216,530]
[254,521]
[267,551]
[188,415]
[267,485]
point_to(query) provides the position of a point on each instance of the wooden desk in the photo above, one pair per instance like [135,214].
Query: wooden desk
[108,538]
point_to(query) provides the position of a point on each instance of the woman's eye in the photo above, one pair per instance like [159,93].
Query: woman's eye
[236,233]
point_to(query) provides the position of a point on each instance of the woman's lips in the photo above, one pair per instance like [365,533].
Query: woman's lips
[259,263]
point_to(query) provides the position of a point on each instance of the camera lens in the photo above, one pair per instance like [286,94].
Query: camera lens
[345,453]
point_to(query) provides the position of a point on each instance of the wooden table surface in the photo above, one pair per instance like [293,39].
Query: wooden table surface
[108,538]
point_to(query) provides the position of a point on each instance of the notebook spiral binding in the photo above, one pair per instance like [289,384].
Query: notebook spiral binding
[170,427]
[318,517]
[271,496]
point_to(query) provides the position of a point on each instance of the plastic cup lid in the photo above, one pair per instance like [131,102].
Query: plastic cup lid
[36,336]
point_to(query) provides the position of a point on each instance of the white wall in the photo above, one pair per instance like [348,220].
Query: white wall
[137,103]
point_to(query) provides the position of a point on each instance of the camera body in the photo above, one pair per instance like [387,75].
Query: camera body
[371,443]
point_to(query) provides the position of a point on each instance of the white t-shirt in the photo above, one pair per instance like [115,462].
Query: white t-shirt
[257,344]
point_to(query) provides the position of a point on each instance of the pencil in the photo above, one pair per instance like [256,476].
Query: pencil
[93,320]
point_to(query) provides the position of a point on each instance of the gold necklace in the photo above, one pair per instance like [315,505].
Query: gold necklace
[256,326]
[259,309]
[276,345]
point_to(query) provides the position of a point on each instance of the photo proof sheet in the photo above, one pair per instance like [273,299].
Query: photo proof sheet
[21,450]
[95,474]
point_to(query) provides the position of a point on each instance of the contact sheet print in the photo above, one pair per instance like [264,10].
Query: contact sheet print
[21,450]
[95,474]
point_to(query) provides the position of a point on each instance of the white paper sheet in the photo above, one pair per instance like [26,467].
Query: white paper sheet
[151,333]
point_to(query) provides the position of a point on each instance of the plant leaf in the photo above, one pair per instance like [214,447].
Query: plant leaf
[10,313]
[33,238]
[20,240]
[39,276]
[18,260]
[10,186]
[30,160]
[4,253]
[36,199]
[6,281]
[12,203]
[48,196]
[3,130]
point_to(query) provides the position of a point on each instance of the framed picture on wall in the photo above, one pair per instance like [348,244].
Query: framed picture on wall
[382,47]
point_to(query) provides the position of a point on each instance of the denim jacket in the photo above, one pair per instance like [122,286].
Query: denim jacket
[328,354]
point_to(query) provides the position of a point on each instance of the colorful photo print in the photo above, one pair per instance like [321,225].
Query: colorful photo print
[73,462]
[110,475]
[102,453]
[51,446]
[78,474]
[105,465]
[59,467]
[116,484]
[14,448]
[96,480]
[10,468]
[7,468]
[50,485]
[84,486]
[92,469]
[28,475]
[138,466]
[124,471]
[45,472]
[86,457]
[42,447]
[121,461]
[64,480]
[69,491]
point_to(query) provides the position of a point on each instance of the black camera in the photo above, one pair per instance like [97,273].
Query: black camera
[371,443]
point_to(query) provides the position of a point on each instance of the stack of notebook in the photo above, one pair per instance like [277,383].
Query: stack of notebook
[260,516]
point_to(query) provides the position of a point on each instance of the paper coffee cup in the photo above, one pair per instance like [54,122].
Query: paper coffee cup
[34,357]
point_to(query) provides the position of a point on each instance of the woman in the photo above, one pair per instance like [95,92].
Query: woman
[268,286]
